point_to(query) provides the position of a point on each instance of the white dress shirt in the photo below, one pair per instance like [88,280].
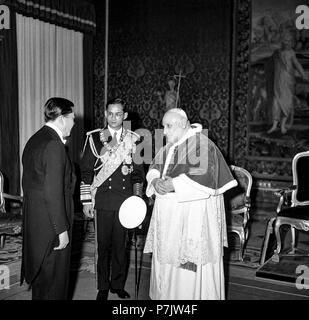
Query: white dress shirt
[118,133]
[51,125]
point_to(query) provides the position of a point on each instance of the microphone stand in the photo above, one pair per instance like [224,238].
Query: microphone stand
[136,279]
[137,272]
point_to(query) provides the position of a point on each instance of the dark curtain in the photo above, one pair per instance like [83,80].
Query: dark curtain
[78,15]
[9,126]
[88,82]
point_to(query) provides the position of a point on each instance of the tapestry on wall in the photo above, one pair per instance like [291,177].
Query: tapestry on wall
[154,42]
[278,110]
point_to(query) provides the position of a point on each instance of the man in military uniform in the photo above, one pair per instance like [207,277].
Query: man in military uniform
[109,176]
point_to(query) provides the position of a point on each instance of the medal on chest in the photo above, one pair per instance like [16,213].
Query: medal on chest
[110,147]
[112,155]
[126,169]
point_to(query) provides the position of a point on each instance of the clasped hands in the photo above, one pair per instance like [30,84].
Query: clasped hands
[163,186]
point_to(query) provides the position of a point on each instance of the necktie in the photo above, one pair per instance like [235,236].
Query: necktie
[109,145]
[114,140]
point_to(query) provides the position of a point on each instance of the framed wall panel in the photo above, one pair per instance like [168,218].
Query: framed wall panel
[278,108]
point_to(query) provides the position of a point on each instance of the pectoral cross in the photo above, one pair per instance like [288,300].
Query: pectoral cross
[179,76]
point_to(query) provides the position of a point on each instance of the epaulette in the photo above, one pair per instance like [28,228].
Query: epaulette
[93,131]
[134,133]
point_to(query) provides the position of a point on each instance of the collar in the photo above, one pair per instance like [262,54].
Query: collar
[118,132]
[51,125]
[195,128]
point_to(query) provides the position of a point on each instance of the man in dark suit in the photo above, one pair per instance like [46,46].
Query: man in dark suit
[109,176]
[48,183]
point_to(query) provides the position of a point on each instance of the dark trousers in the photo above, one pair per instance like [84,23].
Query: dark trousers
[111,238]
[52,281]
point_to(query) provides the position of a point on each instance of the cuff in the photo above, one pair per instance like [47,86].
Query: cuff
[152,174]
[187,191]
[85,194]
[138,189]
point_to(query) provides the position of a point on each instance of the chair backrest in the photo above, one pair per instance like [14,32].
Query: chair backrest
[300,170]
[237,196]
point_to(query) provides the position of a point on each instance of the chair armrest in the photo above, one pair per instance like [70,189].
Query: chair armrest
[13,199]
[9,196]
[247,201]
[283,194]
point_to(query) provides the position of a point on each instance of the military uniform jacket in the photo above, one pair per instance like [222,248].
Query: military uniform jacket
[119,185]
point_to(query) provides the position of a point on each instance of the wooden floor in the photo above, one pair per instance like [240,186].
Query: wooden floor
[241,284]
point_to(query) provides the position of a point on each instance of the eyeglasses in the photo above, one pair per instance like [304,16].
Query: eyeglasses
[118,114]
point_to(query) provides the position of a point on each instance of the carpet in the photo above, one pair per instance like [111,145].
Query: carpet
[286,269]
[257,227]
[82,255]
[10,256]
[83,247]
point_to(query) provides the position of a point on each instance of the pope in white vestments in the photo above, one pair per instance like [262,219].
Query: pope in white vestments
[187,231]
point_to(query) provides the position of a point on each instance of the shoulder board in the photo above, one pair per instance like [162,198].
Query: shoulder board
[93,131]
[134,134]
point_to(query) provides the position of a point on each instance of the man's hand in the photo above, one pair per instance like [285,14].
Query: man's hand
[168,184]
[163,186]
[158,184]
[63,240]
[88,210]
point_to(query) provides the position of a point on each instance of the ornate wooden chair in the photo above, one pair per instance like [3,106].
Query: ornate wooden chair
[10,219]
[237,206]
[292,209]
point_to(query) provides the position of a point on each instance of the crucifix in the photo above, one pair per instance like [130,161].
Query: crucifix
[179,76]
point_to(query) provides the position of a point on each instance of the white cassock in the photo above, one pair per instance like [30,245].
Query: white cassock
[187,231]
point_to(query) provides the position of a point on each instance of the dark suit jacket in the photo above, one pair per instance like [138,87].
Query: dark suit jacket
[118,187]
[48,183]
